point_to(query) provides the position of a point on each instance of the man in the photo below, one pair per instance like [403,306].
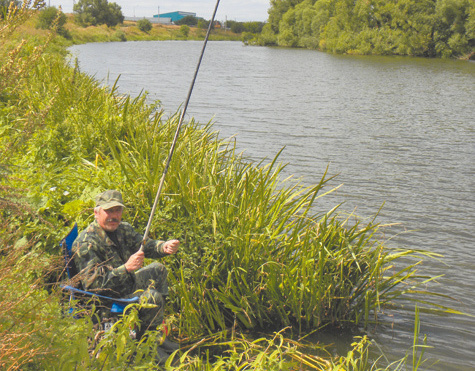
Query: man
[107,256]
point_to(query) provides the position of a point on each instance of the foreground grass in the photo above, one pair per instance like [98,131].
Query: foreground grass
[258,255]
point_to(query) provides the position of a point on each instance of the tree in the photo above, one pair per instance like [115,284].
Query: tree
[278,9]
[454,33]
[253,27]
[115,15]
[188,20]
[429,28]
[236,27]
[144,25]
[96,12]
[203,23]
[48,16]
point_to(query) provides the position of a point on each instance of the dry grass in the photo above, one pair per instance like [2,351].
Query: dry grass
[17,326]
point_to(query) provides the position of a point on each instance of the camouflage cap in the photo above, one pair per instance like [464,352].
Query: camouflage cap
[109,199]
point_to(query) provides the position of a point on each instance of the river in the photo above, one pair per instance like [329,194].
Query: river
[398,131]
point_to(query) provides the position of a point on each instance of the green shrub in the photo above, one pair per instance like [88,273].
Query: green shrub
[119,35]
[185,30]
[144,25]
[247,37]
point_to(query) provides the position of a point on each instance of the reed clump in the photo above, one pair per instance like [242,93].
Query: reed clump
[258,254]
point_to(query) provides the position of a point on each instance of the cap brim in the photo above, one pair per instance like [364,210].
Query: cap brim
[110,205]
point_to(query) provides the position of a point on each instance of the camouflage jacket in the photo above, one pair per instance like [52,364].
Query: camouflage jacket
[101,263]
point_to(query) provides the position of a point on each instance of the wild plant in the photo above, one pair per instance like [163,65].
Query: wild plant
[31,324]
[17,59]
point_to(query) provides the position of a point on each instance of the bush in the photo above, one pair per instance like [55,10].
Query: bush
[247,37]
[119,35]
[185,30]
[144,25]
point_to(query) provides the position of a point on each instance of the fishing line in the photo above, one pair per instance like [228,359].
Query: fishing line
[177,133]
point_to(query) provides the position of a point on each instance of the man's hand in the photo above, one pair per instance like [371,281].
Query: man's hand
[135,261]
[171,246]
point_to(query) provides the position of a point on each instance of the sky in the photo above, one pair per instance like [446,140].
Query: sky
[235,10]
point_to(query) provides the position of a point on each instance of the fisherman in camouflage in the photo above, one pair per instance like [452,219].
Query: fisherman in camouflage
[110,263]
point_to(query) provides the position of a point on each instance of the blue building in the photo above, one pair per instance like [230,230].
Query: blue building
[174,16]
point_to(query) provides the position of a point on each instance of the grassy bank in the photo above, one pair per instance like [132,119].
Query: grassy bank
[259,256]
[128,31]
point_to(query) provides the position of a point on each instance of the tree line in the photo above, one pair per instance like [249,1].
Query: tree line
[428,28]
[234,26]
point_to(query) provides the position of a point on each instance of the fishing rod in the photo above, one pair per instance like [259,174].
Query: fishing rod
[177,133]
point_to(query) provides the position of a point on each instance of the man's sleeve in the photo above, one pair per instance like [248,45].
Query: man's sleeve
[99,276]
[152,248]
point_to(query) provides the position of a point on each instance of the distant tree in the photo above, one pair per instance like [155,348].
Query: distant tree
[48,15]
[429,28]
[455,27]
[254,27]
[203,24]
[236,27]
[4,4]
[239,27]
[144,25]
[277,10]
[115,15]
[47,18]
[96,12]
[188,20]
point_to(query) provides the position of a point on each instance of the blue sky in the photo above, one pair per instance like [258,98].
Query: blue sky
[237,10]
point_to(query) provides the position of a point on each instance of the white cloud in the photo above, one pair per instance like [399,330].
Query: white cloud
[238,10]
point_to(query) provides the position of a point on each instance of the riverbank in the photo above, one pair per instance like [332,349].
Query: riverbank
[128,31]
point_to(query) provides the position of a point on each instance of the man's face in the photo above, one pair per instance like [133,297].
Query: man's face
[109,219]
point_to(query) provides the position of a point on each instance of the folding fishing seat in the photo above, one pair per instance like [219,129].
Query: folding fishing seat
[109,308]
